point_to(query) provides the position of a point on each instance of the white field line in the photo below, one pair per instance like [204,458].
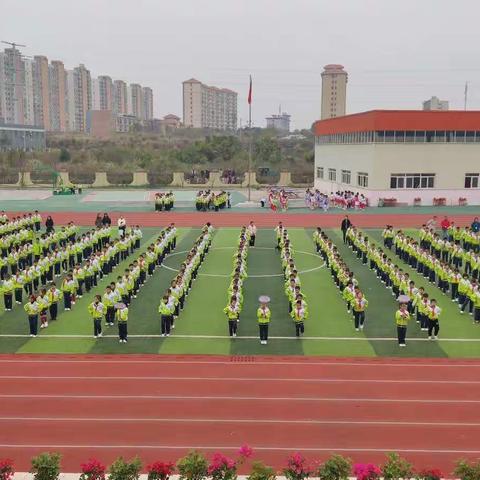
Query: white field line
[240,421]
[67,396]
[236,379]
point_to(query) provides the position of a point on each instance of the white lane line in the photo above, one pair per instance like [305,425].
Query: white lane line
[235,448]
[258,361]
[246,337]
[237,398]
[236,379]
[241,420]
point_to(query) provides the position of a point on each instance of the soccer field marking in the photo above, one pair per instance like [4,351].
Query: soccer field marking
[246,337]
[237,398]
[266,275]
[236,379]
[384,423]
[235,448]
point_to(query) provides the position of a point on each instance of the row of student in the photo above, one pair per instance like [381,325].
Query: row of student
[468,237]
[164,201]
[343,277]
[209,200]
[394,278]
[114,303]
[174,298]
[463,289]
[235,289]
[101,263]
[56,262]
[29,220]
[297,305]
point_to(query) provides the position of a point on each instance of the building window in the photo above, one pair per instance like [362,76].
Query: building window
[471,180]
[362,179]
[412,180]
[332,174]
[320,172]
[346,176]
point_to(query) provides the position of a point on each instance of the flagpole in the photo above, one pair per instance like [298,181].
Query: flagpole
[250,140]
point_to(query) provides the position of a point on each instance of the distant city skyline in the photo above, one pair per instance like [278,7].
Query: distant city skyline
[396,56]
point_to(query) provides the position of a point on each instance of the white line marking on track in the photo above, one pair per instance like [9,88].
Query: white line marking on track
[240,420]
[237,398]
[235,448]
[161,360]
[236,379]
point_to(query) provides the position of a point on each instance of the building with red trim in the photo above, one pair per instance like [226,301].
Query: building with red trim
[402,154]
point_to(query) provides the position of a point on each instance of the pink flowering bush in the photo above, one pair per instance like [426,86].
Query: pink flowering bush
[225,468]
[297,468]
[429,474]
[6,469]
[92,470]
[160,470]
[366,471]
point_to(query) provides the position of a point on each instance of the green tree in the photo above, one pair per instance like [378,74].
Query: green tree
[64,155]
[267,151]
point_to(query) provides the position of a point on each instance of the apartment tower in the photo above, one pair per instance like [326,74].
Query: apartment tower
[58,97]
[334,91]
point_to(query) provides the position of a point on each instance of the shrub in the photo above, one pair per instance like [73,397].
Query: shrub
[92,470]
[297,468]
[467,470]
[366,471]
[396,468]
[123,470]
[46,466]
[429,474]
[160,470]
[222,468]
[335,468]
[7,469]
[193,466]
[260,471]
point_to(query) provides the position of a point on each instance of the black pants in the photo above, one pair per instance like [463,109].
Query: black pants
[97,326]
[7,298]
[232,327]
[166,323]
[110,315]
[263,331]
[359,318]
[433,327]
[122,330]
[299,328]
[53,311]
[401,334]
[33,322]
[252,240]
[67,299]
[344,233]
[18,295]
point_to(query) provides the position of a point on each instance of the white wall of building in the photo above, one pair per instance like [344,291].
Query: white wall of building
[449,163]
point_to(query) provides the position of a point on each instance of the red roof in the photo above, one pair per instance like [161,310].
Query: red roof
[400,120]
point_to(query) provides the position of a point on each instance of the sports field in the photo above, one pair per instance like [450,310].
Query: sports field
[202,326]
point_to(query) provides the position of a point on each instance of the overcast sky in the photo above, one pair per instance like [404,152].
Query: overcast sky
[397,53]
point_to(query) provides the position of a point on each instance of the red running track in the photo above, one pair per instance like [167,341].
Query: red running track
[266,219]
[159,407]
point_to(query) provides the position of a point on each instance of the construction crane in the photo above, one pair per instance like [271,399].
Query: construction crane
[13,44]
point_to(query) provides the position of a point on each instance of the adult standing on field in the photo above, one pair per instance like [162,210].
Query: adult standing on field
[346,224]
[98,220]
[475,225]
[445,224]
[106,220]
[263,316]
[122,226]
[252,230]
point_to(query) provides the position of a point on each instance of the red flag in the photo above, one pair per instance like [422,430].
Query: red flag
[250,92]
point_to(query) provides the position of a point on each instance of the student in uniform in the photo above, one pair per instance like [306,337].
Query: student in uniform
[32,310]
[53,296]
[263,317]
[299,315]
[166,314]
[231,311]
[434,312]
[122,319]
[7,289]
[359,304]
[96,310]
[68,288]
[401,319]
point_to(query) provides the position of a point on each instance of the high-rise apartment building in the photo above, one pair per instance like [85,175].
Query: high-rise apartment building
[12,86]
[120,105]
[209,107]
[58,97]
[279,122]
[102,93]
[28,94]
[334,91]
[147,93]
[136,100]
[435,104]
[82,96]
[41,93]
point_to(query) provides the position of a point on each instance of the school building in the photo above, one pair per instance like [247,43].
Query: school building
[403,155]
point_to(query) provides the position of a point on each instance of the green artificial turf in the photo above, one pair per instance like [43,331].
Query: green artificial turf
[202,327]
